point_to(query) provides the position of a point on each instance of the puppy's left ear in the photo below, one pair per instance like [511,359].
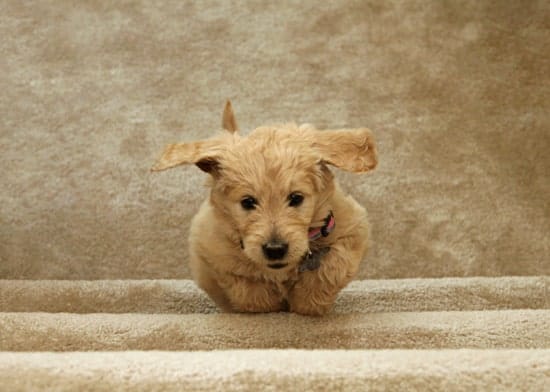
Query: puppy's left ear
[348,149]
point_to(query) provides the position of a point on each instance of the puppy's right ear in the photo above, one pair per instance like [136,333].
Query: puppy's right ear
[202,153]
[228,119]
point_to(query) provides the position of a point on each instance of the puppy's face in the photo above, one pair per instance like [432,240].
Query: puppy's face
[272,185]
[269,186]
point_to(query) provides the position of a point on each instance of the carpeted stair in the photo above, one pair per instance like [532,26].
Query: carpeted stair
[450,333]
[456,93]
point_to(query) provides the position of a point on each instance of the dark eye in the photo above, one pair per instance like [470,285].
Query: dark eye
[249,203]
[295,199]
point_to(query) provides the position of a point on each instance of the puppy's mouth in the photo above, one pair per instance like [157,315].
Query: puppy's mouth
[277,265]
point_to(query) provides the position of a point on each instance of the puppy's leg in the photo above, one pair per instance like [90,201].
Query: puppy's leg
[315,292]
[234,293]
[246,295]
[205,277]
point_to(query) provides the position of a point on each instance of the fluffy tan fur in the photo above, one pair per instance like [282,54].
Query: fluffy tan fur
[269,165]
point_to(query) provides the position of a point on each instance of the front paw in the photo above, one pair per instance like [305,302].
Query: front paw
[252,297]
[310,304]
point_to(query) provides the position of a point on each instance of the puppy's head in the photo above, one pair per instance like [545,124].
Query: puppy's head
[272,185]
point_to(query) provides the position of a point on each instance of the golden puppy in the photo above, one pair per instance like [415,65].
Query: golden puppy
[276,233]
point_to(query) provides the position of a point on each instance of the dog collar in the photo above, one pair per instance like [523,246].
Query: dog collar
[323,231]
[312,260]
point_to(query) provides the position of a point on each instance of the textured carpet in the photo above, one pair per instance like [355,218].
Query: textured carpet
[456,92]
[296,370]
[183,297]
[93,258]
[383,334]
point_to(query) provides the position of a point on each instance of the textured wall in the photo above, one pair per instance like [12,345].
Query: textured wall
[456,92]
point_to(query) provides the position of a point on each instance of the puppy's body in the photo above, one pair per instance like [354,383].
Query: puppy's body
[251,237]
[236,283]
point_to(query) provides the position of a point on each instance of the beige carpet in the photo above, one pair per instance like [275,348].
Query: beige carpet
[182,296]
[456,92]
[293,370]
[94,289]
[176,315]
[453,333]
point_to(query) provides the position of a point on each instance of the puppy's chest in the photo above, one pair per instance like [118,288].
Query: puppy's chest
[310,263]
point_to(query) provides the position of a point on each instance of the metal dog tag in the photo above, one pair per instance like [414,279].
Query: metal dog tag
[312,260]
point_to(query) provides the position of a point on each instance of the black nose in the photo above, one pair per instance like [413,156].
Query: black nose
[275,250]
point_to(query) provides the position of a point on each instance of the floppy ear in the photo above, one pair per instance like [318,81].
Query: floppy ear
[348,149]
[202,153]
[228,119]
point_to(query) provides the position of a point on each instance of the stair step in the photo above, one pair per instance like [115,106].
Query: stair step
[255,370]
[183,296]
[411,330]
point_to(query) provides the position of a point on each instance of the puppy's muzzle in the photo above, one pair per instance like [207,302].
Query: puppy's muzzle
[275,250]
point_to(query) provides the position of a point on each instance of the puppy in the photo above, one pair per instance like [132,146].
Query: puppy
[276,233]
